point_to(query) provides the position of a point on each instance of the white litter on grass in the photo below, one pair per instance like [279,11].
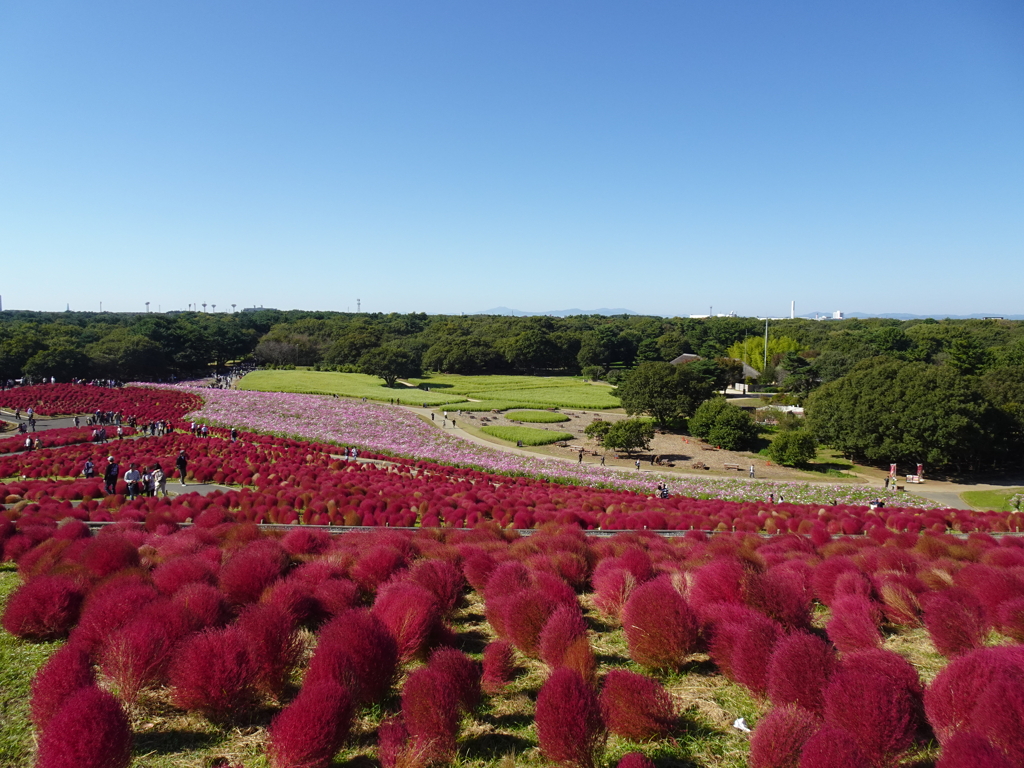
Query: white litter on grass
[741,725]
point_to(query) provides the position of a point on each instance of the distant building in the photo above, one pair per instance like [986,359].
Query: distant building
[258,309]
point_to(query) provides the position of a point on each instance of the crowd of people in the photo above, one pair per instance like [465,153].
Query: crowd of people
[140,481]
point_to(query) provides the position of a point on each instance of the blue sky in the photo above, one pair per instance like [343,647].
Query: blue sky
[456,156]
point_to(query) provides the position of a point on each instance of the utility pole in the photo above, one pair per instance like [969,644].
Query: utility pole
[358,305]
[765,346]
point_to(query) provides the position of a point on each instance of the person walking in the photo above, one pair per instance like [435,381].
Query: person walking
[110,475]
[751,470]
[159,481]
[181,464]
[132,478]
[89,470]
[638,465]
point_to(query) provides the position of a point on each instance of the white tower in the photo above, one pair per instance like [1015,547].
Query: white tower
[792,310]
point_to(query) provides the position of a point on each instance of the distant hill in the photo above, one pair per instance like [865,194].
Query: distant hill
[555,312]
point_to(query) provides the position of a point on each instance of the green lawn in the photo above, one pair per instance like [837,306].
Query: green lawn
[997,501]
[528,435]
[536,417]
[344,384]
[524,391]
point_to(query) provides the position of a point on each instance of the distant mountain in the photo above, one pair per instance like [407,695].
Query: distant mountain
[555,312]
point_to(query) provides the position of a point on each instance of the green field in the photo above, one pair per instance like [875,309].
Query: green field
[524,391]
[528,435]
[343,384]
[997,501]
[536,417]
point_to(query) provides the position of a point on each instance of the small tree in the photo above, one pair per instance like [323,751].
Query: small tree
[597,430]
[734,430]
[593,372]
[389,363]
[703,420]
[792,448]
[629,435]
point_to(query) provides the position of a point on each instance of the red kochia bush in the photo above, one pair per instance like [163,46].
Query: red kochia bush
[565,626]
[832,747]
[875,696]
[779,737]
[430,708]
[203,605]
[636,707]
[635,760]
[742,644]
[251,570]
[854,624]
[139,653]
[110,605]
[660,627]
[969,750]
[999,713]
[462,673]
[1011,618]
[64,673]
[356,650]
[410,613]
[524,616]
[443,579]
[90,730]
[309,731]
[269,633]
[214,673]
[44,608]
[798,671]
[172,575]
[569,726]
[498,666]
[955,620]
[108,553]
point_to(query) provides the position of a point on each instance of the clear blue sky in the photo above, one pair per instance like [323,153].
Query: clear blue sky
[456,156]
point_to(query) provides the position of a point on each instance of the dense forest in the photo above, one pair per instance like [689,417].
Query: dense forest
[947,392]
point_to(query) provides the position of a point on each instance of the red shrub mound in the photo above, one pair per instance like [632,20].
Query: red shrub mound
[443,579]
[309,731]
[379,564]
[799,670]
[832,747]
[742,644]
[636,707]
[251,570]
[392,745]
[569,726]
[565,626]
[108,553]
[357,651]
[854,624]
[969,750]
[214,673]
[660,627]
[90,730]
[431,711]
[110,605]
[779,738]
[461,673]
[269,633]
[336,595]
[139,653]
[780,595]
[499,666]
[172,575]
[999,713]
[44,608]
[877,701]
[203,605]
[955,620]
[524,616]
[612,587]
[410,614]
[65,672]
[635,760]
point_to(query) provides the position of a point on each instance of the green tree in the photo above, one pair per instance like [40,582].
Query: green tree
[703,419]
[629,435]
[391,363]
[60,363]
[597,429]
[792,448]
[733,429]
[887,410]
[663,390]
[751,350]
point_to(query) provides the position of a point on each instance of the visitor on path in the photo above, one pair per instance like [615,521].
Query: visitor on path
[76,421]
[120,432]
[89,469]
[159,481]
[147,483]
[751,470]
[581,457]
[132,478]
[234,435]
[110,474]
[602,459]
[28,443]
[181,464]
[638,465]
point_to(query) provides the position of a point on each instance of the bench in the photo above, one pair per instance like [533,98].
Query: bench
[708,448]
[737,467]
[699,465]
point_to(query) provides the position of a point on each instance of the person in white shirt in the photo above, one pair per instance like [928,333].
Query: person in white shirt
[132,477]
